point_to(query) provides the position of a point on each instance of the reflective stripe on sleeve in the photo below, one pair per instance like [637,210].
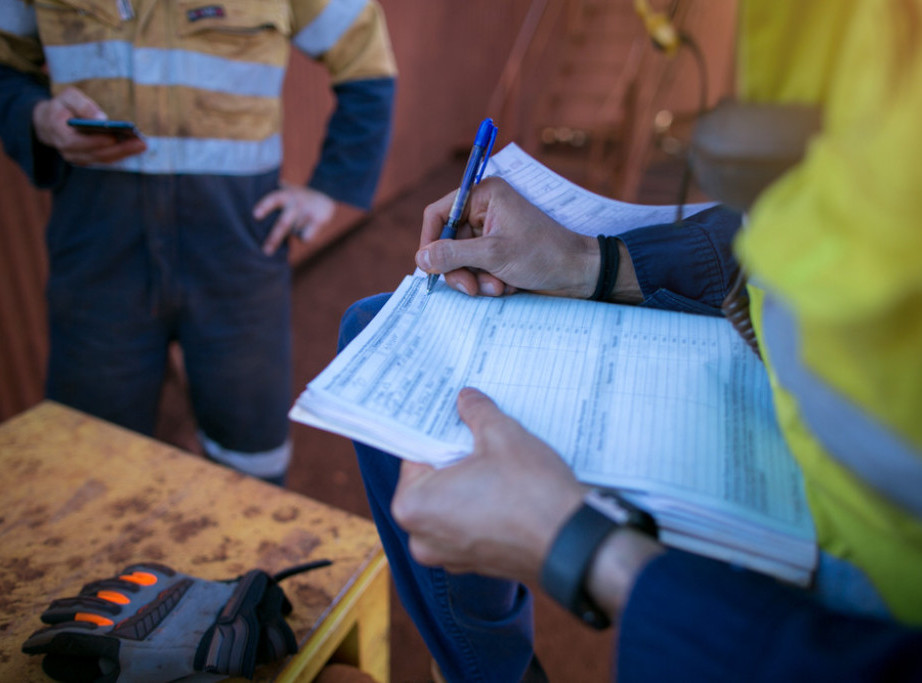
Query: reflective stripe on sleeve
[18,19]
[157,66]
[208,156]
[329,26]
[265,464]
[856,440]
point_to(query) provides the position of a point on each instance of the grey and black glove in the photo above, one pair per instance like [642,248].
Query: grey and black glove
[152,623]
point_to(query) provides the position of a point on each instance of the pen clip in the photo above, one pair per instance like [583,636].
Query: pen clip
[489,148]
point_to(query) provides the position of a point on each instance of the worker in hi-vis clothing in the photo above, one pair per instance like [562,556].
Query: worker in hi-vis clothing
[179,232]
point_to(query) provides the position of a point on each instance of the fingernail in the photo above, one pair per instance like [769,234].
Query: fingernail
[461,288]
[422,259]
[490,289]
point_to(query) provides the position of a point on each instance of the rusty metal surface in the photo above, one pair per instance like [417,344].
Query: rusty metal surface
[81,499]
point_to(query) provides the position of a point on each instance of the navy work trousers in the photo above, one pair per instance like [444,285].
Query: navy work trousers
[137,261]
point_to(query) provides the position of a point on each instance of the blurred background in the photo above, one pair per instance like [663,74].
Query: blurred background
[577,83]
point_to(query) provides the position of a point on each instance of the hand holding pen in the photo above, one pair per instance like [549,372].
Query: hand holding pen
[473,172]
[506,244]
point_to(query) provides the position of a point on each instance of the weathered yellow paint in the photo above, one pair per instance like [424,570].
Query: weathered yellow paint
[83,498]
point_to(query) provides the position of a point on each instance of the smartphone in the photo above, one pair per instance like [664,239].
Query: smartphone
[120,129]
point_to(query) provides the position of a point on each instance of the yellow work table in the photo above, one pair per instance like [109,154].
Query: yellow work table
[80,499]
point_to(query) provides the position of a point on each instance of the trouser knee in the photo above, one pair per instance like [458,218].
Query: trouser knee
[357,317]
[269,465]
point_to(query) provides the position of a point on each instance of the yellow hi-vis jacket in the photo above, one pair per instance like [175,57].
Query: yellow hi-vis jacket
[835,247]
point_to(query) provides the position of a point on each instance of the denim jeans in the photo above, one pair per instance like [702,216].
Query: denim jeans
[477,628]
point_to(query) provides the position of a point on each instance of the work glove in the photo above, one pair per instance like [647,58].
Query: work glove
[152,623]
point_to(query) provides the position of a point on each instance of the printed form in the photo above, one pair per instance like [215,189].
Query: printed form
[633,398]
[570,205]
[674,409]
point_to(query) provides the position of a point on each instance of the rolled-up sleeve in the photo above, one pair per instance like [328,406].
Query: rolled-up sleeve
[687,266]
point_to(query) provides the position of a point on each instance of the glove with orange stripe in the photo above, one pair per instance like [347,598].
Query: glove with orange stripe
[151,623]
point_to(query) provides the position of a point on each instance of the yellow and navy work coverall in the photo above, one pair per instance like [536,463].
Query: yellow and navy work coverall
[162,246]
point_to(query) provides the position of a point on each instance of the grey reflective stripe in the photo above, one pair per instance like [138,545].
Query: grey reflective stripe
[265,464]
[70,63]
[856,440]
[329,26]
[157,66]
[18,18]
[208,156]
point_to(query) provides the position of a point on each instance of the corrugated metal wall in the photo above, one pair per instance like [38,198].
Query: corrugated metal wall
[23,270]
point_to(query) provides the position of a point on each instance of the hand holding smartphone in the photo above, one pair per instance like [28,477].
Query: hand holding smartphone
[120,129]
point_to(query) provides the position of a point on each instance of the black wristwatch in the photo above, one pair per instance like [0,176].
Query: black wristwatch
[563,575]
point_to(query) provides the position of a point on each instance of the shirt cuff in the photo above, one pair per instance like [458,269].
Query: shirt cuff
[689,265]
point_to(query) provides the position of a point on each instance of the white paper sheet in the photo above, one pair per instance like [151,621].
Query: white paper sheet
[672,408]
[572,206]
[670,404]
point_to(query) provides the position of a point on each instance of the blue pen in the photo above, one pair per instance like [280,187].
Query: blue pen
[473,172]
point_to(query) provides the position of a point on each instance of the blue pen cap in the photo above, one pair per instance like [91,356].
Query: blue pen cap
[486,136]
[486,133]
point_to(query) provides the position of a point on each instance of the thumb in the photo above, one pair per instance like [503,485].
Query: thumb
[404,503]
[411,472]
[81,104]
[477,410]
[444,256]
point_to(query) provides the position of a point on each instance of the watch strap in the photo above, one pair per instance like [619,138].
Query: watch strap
[566,567]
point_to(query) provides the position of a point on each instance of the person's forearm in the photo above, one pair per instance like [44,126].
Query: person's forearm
[627,288]
[616,566]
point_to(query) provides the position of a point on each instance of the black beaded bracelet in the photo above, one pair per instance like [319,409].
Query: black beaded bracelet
[608,267]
